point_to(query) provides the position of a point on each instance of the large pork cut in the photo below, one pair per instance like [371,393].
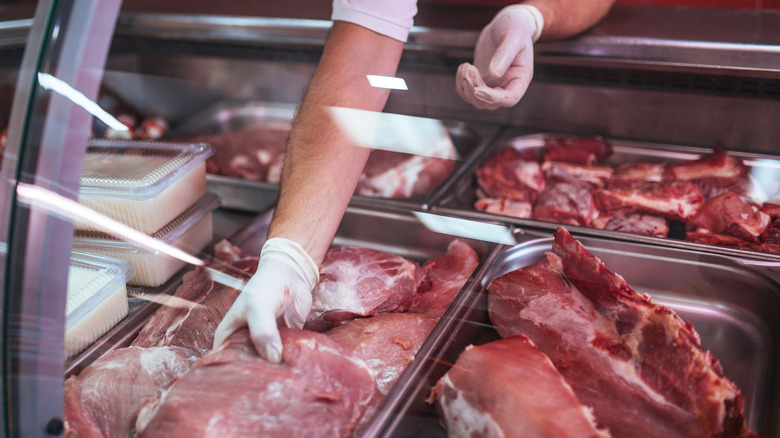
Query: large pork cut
[204,302]
[104,399]
[637,364]
[356,281]
[318,390]
[508,388]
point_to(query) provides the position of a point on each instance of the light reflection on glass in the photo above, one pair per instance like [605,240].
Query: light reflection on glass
[395,132]
[49,82]
[388,82]
[467,228]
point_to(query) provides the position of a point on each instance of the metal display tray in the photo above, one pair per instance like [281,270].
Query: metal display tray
[459,198]
[256,196]
[734,305]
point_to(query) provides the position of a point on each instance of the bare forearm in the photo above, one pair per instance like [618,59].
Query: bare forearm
[565,18]
[322,167]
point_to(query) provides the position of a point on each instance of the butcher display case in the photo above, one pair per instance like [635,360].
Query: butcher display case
[105,88]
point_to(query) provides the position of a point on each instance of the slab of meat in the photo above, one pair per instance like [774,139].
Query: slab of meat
[357,281]
[718,164]
[387,342]
[730,214]
[633,223]
[319,389]
[246,154]
[104,399]
[193,325]
[511,174]
[398,175]
[772,209]
[672,199]
[445,276]
[596,176]
[566,203]
[640,171]
[505,206]
[579,150]
[637,364]
[508,388]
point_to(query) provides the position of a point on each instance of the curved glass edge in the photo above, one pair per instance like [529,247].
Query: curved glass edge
[47,140]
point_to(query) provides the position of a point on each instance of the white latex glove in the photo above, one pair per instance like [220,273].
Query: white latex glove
[278,293]
[503,59]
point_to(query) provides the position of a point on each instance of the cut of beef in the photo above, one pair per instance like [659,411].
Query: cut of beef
[730,214]
[246,154]
[398,175]
[579,150]
[672,199]
[718,164]
[104,399]
[508,388]
[387,343]
[192,326]
[633,223]
[566,203]
[596,176]
[637,364]
[639,171]
[511,174]
[505,206]
[772,209]
[319,389]
[445,276]
[358,281]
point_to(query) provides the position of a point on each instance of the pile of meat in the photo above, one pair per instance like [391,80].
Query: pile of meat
[567,181]
[372,312]
[584,355]
[256,154]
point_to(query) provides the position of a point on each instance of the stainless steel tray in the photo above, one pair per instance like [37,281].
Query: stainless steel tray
[734,304]
[256,196]
[459,198]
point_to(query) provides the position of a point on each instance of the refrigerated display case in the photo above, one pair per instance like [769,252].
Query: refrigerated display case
[655,81]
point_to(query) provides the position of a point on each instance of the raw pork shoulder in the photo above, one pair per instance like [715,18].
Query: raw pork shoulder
[637,364]
[319,389]
[508,388]
[104,399]
[357,281]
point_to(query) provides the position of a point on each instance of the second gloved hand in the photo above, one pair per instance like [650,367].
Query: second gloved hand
[278,293]
[503,59]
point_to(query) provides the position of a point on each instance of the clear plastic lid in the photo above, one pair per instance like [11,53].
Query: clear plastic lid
[168,234]
[137,169]
[91,280]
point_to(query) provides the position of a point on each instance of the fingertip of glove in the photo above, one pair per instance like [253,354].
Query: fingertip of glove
[273,353]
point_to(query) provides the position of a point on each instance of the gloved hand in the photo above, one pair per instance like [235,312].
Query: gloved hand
[278,293]
[503,59]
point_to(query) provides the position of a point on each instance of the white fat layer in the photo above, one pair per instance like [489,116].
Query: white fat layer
[462,419]
[685,209]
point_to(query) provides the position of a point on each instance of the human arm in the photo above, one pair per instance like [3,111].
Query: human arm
[503,55]
[319,175]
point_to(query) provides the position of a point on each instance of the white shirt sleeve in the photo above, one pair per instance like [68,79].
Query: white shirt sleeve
[393,18]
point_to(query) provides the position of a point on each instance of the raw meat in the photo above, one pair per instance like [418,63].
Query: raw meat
[579,150]
[596,176]
[566,203]
[773,210]
[505,206]
[639,171]
[104,399]
[672,199]
[730,214]
[246,154]
[508,388]
[511,174]
[445,276]
[397,175]
[633,223]
[387,343]
[637,364]
[718,164]
[319,389]
[193,325]
[357,281]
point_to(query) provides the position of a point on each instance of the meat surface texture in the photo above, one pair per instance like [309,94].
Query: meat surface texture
[387,342]
[637,364]
[203,304]
[318,390]
[729,214]
[356,281]
[445,276]
[566,203]
[104,399]
[633,223]
[392,174]
[508,388]
[248,154]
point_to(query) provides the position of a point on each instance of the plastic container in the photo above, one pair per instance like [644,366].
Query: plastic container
[191,232]
[97,298]
[142,184]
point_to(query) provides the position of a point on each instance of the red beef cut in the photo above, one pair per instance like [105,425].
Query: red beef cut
[318,390]
[505,207]
[392,174]
[730,214]
[357,281]
[637,364]
[595,176]
[509,388]
[511,174]
[639,171]
[633,223]
[587,151]
[445,276]
[566,203]
[248,154]
[104,399]
[672,199]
